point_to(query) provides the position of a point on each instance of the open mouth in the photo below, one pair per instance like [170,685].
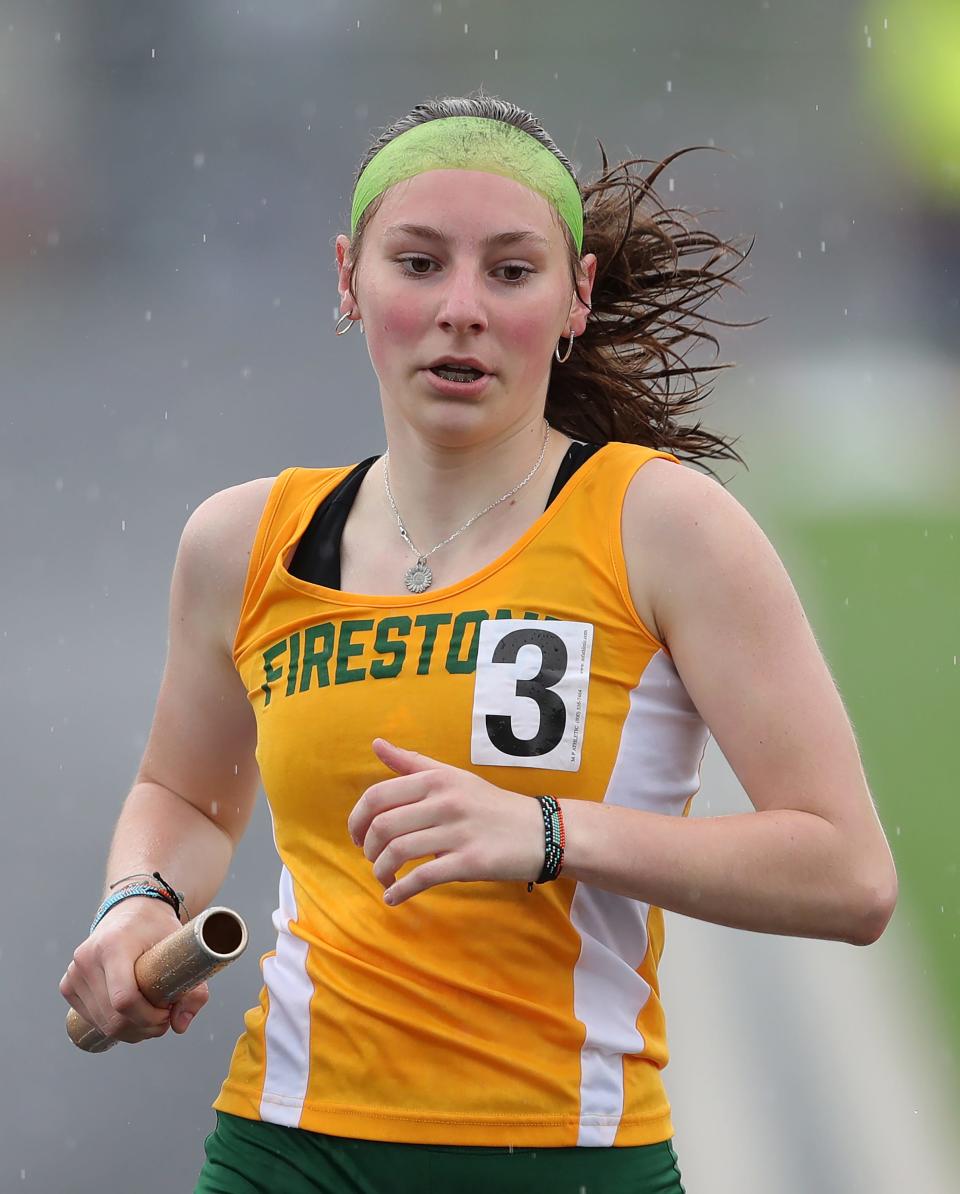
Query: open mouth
[457,372]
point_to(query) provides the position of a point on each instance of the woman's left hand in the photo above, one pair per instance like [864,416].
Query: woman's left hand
[475,830]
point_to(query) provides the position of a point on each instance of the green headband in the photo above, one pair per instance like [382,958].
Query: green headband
[472,143]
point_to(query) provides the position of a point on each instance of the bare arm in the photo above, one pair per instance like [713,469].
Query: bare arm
[813,860]
[197,782]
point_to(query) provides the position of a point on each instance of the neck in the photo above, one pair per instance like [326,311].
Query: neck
[437,488]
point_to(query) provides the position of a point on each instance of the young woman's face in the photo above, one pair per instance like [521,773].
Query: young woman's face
[433,284]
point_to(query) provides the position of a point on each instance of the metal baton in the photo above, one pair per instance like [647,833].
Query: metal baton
[175,965]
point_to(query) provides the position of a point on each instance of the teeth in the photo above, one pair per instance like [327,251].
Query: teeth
[457,373]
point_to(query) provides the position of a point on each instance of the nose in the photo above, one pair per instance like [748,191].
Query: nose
[462,307]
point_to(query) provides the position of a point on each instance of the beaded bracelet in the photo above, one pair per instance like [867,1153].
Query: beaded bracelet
[554,838]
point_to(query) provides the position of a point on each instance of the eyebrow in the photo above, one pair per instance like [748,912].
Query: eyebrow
[499,239]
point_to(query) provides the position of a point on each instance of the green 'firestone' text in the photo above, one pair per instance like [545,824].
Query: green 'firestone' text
[355,649]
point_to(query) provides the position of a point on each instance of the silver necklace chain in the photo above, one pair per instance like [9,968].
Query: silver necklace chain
[419,577]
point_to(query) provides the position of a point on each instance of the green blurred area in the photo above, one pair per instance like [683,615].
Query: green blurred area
[911,84]
[882,591]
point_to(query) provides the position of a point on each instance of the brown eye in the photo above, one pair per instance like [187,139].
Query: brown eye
[523,271]
[412,261]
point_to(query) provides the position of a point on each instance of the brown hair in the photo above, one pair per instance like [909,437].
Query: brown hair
[617,383]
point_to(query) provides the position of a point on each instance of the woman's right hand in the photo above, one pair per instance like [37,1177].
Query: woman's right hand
[100,984]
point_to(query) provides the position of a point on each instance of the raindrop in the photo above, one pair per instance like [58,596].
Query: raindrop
[58,486]
[245,372]
[123,524]
[165,416]
[199,160]
[184,364]
[799,253]
[846,601]
[56,36]
[153,53]
[496,55]
[23,1175]
[844,310]
[214,806]
[669,84]
[670,184]
[823,246]
[235,769]
[466,28]
[148,315]
[884,22]
[437,8]
[204,238]
[898,831]
[781,205]
[276,303]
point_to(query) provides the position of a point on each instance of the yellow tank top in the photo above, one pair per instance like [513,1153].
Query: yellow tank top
[475,1013]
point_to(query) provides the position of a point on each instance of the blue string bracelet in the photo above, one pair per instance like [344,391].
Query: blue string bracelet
[135,889]
[167,894]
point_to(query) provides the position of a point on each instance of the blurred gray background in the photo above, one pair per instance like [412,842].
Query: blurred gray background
[171,180]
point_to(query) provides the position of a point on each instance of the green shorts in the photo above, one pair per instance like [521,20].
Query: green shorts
[248,1156]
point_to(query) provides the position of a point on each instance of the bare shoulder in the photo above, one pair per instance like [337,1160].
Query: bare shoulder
[741,643]
[215,547]
[677,524]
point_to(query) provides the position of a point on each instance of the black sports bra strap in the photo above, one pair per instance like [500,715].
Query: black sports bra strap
[317,557]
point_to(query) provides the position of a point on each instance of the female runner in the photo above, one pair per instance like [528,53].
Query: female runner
[477,675]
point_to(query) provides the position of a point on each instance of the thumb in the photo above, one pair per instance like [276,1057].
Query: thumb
[186,1008]
[401,760]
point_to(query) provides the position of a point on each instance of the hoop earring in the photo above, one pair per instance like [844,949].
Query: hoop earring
[336,330]
[556,351]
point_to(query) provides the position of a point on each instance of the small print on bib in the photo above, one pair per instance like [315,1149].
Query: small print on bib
[530,693]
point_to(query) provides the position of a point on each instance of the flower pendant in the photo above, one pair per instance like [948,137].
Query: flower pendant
[418,577]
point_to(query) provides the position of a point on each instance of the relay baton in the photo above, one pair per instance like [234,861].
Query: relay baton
[174,966]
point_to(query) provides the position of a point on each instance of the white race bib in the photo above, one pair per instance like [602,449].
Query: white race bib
[530,693]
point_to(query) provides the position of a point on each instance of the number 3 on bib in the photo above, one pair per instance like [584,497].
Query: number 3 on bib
[530,693]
